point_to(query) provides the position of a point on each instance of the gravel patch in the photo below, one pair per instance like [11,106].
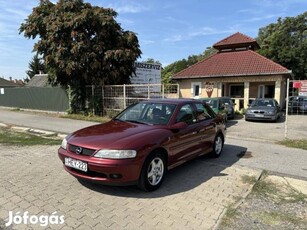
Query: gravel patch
[273,204]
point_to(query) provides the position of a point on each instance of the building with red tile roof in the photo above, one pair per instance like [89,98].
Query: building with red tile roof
[237,71]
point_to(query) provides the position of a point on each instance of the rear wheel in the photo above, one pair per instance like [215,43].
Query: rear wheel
[218,146]
[153,171]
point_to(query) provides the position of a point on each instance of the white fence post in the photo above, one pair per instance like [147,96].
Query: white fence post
[163,91]
[287,109]
[125,104]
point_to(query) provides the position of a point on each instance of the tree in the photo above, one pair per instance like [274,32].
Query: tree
[285,42]
[81,45]
[152,61]
[35,66]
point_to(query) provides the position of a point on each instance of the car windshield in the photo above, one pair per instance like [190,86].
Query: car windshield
[151,113]
[212,103]
[226,101]
[263,102]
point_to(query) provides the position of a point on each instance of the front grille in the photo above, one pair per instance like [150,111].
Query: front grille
[85,151]
[259,112]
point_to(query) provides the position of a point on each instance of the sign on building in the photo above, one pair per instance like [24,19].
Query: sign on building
[146,73]
[301,86]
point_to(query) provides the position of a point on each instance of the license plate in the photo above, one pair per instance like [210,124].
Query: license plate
[259,115]
[76,164]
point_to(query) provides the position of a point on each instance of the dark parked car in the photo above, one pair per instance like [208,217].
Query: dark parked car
[229,105]
[263,109]
[145,140]
[222,105]
[217,105]
[297,104]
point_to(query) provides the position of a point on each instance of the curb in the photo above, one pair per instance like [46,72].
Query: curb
[38,132]
[237,203]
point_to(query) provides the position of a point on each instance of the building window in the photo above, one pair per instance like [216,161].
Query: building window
[196,89]
[266,91]
[237,91]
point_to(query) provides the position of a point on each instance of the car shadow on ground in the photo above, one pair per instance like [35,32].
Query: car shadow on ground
[181,179]
[232,122]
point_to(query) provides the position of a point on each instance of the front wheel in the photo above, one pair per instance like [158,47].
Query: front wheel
[217,146]
[153,171]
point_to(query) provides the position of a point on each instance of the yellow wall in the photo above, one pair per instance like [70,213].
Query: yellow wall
[251,84]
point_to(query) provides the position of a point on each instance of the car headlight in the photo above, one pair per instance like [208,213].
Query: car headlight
[249,111]
[115,154]
[270,112]
[64,143]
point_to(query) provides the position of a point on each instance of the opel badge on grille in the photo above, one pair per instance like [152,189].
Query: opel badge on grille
[79,150]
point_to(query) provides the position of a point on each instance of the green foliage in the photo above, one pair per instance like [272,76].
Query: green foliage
[177,66]
[152,61]
[81,44]
[285,42]
[35,66]
[89,117]
[11,137]
[299,143]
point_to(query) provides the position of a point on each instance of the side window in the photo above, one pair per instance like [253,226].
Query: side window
[186,115]
[202,112]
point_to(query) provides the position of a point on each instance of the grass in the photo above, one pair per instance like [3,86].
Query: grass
[273,218]
[230,215]
[86,117]
[10,137]
[301,144]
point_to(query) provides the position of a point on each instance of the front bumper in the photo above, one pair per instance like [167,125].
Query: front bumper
[260,117]
[104,171]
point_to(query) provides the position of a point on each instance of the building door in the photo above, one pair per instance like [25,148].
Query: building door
[261,91]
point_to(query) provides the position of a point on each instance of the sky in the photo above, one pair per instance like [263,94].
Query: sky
[168,30]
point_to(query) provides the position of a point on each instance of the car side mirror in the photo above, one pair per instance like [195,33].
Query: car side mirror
[179,125]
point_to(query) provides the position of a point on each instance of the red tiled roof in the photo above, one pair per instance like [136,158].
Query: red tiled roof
[235,63]
[236,40]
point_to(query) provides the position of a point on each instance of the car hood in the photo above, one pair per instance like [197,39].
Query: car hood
[113,134]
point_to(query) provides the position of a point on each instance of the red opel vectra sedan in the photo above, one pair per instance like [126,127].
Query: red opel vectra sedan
[140,144]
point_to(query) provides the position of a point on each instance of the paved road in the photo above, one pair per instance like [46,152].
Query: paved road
[42,121]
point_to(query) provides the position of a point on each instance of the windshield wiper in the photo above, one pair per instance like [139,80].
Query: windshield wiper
[138,122]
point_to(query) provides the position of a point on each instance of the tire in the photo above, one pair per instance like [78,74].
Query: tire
[225,118]
[218,145]
[153,171]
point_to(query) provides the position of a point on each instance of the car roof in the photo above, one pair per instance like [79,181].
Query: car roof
[264,99]
[215,98]
[171,100]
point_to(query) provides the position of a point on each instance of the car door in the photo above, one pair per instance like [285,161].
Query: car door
[185,142]
[206,127]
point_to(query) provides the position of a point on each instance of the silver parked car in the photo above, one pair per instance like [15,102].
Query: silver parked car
[263,109]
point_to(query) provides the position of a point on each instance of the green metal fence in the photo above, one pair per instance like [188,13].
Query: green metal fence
[36,98]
